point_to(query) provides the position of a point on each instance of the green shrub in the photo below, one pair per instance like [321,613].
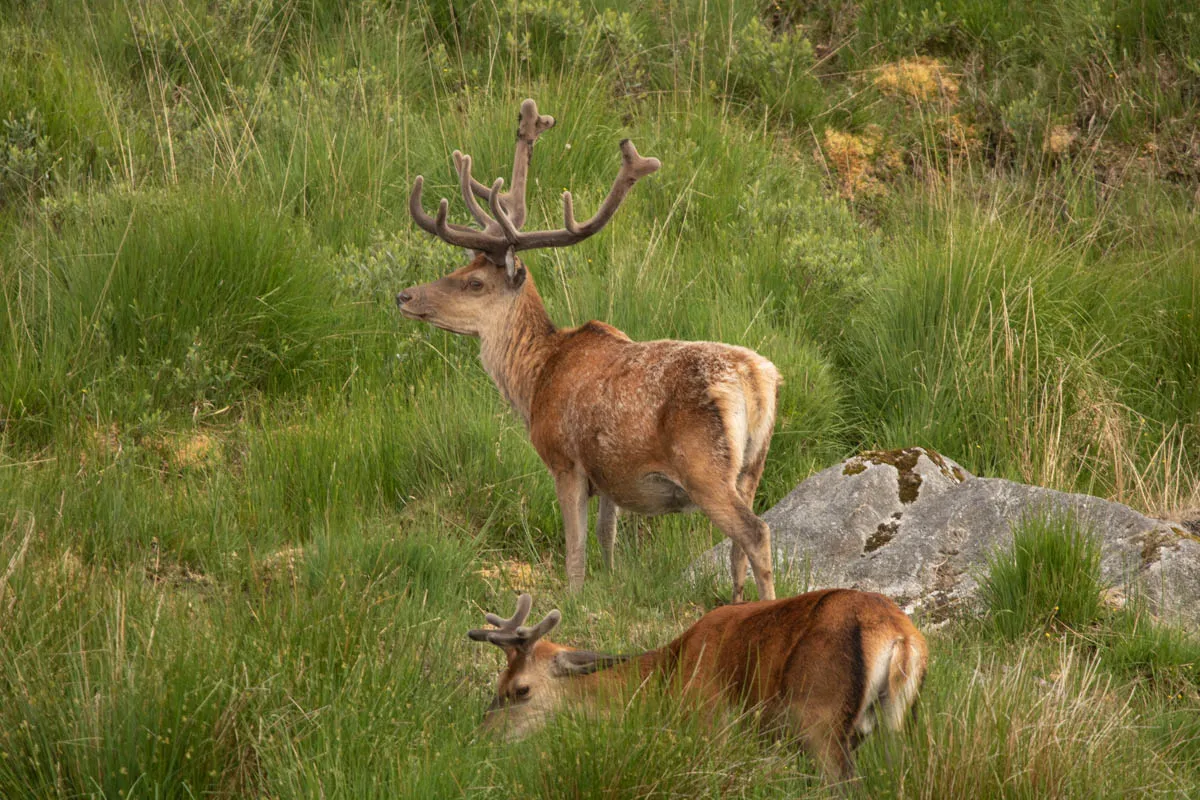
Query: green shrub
[26,161]
[775,69]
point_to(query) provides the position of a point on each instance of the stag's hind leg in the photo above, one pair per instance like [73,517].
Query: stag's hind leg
[738,522]
[712,478]
[738,563]
[751,536]
[748,479]
[747,486]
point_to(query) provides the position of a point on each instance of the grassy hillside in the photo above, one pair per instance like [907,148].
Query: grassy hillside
[247,513]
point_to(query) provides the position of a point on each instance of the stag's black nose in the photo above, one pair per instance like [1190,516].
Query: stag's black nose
[403,298]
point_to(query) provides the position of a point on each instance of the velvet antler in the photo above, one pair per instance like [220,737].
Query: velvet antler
[511,632]
[501,234]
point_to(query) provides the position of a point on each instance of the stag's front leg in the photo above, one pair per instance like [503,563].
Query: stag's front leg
[573,500]
[606,528]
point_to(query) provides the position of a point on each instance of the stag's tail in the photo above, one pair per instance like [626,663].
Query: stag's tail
[746,400]
[897,670]
[756,412]
[761,409]
[906,673]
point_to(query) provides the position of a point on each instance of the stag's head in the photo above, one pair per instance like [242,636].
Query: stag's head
[539,675]
[474,296]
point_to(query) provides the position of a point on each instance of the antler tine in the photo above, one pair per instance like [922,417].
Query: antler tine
[548,623]
[511,633]
[450,233]
[524,604]
[634,167]
[530,125]
[462,163]
[417,210]
[502,231]
[480,189]
[569,213]
[507,225]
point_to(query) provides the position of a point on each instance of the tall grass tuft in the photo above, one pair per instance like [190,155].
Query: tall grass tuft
[1137,646]
[1049,578]
[160,303]
[1028,724]
[652,747]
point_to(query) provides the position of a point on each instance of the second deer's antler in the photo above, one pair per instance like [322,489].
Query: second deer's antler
[511,632]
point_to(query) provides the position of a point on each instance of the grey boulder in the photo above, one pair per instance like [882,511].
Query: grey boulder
[917,527]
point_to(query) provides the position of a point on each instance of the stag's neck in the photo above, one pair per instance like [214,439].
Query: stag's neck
[515,348]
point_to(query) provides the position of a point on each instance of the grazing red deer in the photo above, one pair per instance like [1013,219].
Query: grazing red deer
[826,665]
[652,427]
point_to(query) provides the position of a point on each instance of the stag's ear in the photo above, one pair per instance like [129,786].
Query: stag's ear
[512,273]
[574,663]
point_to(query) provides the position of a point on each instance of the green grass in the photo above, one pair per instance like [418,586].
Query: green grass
[266,509]
[1048,579]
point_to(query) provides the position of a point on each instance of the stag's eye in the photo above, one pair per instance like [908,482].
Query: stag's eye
[521,692]
[474,284]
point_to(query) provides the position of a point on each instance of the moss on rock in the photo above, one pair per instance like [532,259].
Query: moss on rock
[905,462]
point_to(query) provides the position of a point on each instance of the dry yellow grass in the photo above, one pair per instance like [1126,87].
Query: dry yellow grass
[281,565]
[959,136]
[852,159]
[197,450]
[1060,140]
[921,79]
[103,445]
[520,576]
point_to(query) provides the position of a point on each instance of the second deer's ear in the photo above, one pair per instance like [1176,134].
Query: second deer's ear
[583,662]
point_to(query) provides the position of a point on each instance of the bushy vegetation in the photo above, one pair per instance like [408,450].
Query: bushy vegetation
[247,512]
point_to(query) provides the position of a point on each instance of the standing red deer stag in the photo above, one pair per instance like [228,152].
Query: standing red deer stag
[652,427]
[825,665]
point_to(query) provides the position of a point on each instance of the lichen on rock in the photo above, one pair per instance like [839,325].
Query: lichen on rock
[883,534]
[904,461]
